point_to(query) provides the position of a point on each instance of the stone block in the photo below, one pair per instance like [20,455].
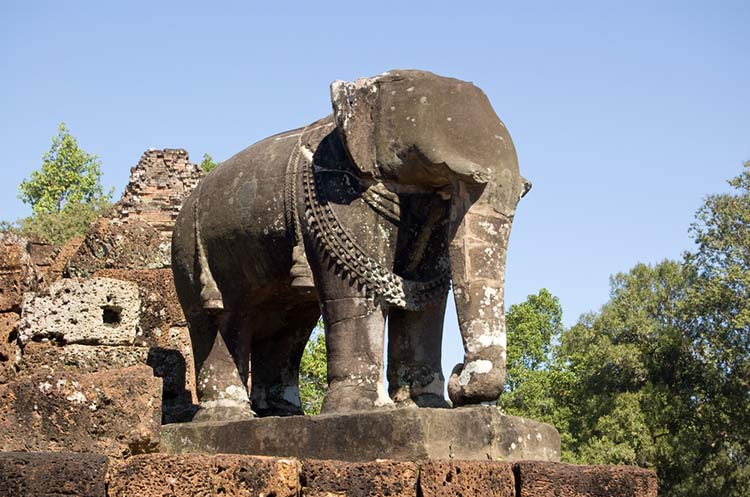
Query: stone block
[112,412]
[11,290]
[546,479]
[178,400]
[97,311]
[450,478]
[160,309]
[367,479]
[157,475]
[27,474]
[67,251]
[111,243]
[10,352]
[16,271]
[472,433]
[50,357]
[42,253]
[25,266]
[13,251]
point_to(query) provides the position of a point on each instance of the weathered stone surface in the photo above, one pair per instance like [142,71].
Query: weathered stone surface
[136,233]
[112,412]
[11,290]
[16,271]
[13,251]
[369,479]
[178,398]
[50,357]
[42,253]
[26,474]
[160,309]
[111,243]
[25,266]
[163,329]
[57,474]
[157,475]
[545,479]
[67,251]
[10,352]
[99,311]
[478,433]
[451,478]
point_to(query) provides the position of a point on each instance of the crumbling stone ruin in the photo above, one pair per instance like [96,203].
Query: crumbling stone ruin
[96,310]
[158,185]
[136,234]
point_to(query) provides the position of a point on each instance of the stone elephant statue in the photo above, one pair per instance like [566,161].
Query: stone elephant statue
[367,214]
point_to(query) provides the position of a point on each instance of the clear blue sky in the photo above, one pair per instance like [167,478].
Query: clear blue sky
[624,114]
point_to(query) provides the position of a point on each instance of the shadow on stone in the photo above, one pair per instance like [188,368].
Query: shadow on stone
[177,403]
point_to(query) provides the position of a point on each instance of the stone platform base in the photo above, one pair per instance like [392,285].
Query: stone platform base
[469,433]
[24,474]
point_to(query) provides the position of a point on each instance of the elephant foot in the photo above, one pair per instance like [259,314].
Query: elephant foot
[342,399]
[281,408]
[418,387]
[223,410]
[426,400]
[276,400]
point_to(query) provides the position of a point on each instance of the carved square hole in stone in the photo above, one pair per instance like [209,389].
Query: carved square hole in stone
[111,315]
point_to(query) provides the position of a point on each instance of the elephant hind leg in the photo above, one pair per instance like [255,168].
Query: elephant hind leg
[221,375]
[276,354]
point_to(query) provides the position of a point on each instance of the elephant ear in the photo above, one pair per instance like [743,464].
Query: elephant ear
[353,104]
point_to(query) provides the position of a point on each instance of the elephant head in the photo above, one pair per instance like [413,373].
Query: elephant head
[417,128]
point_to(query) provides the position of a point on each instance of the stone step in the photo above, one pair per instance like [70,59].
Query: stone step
[478,432]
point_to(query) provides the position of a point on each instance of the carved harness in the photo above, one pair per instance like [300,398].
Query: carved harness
[340,246]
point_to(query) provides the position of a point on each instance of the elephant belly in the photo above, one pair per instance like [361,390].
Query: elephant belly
[241,214]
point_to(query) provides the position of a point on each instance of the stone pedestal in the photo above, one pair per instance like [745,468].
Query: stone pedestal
[469,433]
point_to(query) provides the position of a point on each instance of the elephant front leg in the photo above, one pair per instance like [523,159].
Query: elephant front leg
[355,329]
[415,376]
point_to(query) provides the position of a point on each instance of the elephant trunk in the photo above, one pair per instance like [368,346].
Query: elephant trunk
[477,253]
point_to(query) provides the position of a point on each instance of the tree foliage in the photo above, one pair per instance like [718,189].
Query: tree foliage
[660,376]
[68,175]
[208,164]
[313,382]
[65,194]
[58,227]
[717,309]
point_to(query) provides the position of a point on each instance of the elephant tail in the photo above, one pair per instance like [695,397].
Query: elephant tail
[210,296]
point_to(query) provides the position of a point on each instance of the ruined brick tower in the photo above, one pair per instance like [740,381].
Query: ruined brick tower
[158,185]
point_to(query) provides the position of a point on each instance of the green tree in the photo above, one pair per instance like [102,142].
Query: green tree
[313,382]
[68,175]
[717,308]
[630,361]
[65,194]
[661,374]
[531,327]
[208,164]
[536,386]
